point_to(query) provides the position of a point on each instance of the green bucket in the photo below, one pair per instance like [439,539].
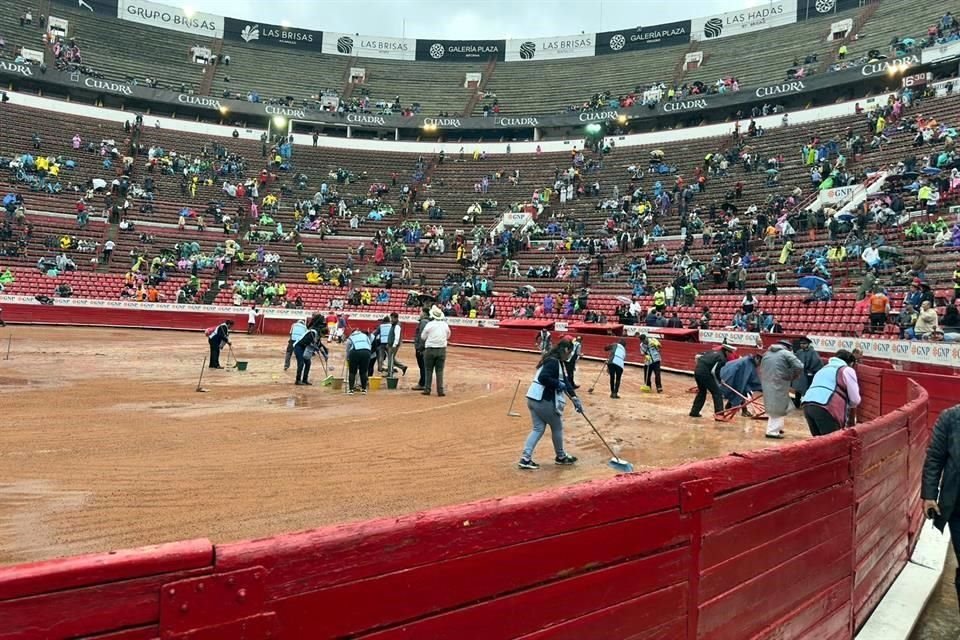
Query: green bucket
[241,365]
[392,382]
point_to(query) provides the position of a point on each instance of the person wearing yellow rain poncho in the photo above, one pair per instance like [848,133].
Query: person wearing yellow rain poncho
[786,252]
[650,350]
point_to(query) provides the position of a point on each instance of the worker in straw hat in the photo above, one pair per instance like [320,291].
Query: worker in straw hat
[435,336]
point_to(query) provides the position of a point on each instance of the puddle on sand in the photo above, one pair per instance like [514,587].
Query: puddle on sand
[290,402]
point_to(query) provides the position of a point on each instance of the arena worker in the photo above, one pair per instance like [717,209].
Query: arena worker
[217,336]
[571,364]
[359,355]
[706,373]
[778,368]
[435,336]
[394,341]
[652,359]
[418,347]
[297,329]
[833,391]
[546,400]
[304,349]
[615,364]
[740,378]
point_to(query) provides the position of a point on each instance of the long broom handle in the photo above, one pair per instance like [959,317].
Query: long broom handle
[514,399]
[202,367]
[609,448]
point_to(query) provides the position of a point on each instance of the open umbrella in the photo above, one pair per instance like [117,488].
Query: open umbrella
[771,171]
[624,299]
[888,250]
[845,217]
[9,199]
[811,283]
[529,288]
[931,171]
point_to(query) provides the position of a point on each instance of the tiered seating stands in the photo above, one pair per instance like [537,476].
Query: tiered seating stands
[127,50]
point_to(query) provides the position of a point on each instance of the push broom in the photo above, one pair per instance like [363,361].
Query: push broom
[615,462]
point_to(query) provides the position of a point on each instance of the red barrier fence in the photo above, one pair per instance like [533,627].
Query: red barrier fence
[799,541]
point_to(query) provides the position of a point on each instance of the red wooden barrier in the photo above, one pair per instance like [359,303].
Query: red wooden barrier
[795,542]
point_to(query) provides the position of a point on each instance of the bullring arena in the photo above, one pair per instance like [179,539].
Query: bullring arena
[659,182]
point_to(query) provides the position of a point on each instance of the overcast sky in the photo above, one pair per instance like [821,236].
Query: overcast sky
[466,19]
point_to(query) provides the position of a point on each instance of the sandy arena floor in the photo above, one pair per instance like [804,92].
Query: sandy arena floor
[105,444]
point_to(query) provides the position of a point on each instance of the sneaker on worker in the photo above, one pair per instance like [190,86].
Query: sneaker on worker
[565,459]
[526,463]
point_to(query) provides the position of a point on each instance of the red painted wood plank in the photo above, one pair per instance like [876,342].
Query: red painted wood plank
[882,526]
[324,557]
[96,609]
[894,487]
[872,588]
[770,552]
[747,469]
[17,581]
[775,492]
[532,610]
[811,617]
[876,430]
[148,632]
[893,444]
[892,541]
[436,587]
[769,596]
[866,479]
[624,620]
[722,545]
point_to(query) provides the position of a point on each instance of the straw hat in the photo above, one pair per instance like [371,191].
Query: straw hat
[436,313]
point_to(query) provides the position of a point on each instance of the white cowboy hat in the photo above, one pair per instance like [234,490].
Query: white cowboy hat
[436,313]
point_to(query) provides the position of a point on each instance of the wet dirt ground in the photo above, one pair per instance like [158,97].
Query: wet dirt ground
[940,620]
[104,442]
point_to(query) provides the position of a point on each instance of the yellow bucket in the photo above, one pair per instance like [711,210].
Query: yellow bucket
[374,383]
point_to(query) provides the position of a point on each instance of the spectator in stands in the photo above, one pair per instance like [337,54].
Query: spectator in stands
[927,322]
[879,309]
[832,393]
[906,319]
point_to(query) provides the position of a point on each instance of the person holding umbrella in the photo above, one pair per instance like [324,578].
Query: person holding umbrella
[615,363]
[546,399]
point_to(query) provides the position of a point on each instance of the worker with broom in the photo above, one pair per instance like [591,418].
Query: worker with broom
[615,363]
[359,353]
[706,374]
[218,336]
[546,399]
[650,350]
[740,378]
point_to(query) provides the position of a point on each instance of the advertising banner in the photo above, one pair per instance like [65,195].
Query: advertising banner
[661,35]
[272,34]
[810,9]
[348,44]
[692,105]
[734,23]
[839,194]
[98,7]
[579,46]
[461,50]
[166,17]
[941,52]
